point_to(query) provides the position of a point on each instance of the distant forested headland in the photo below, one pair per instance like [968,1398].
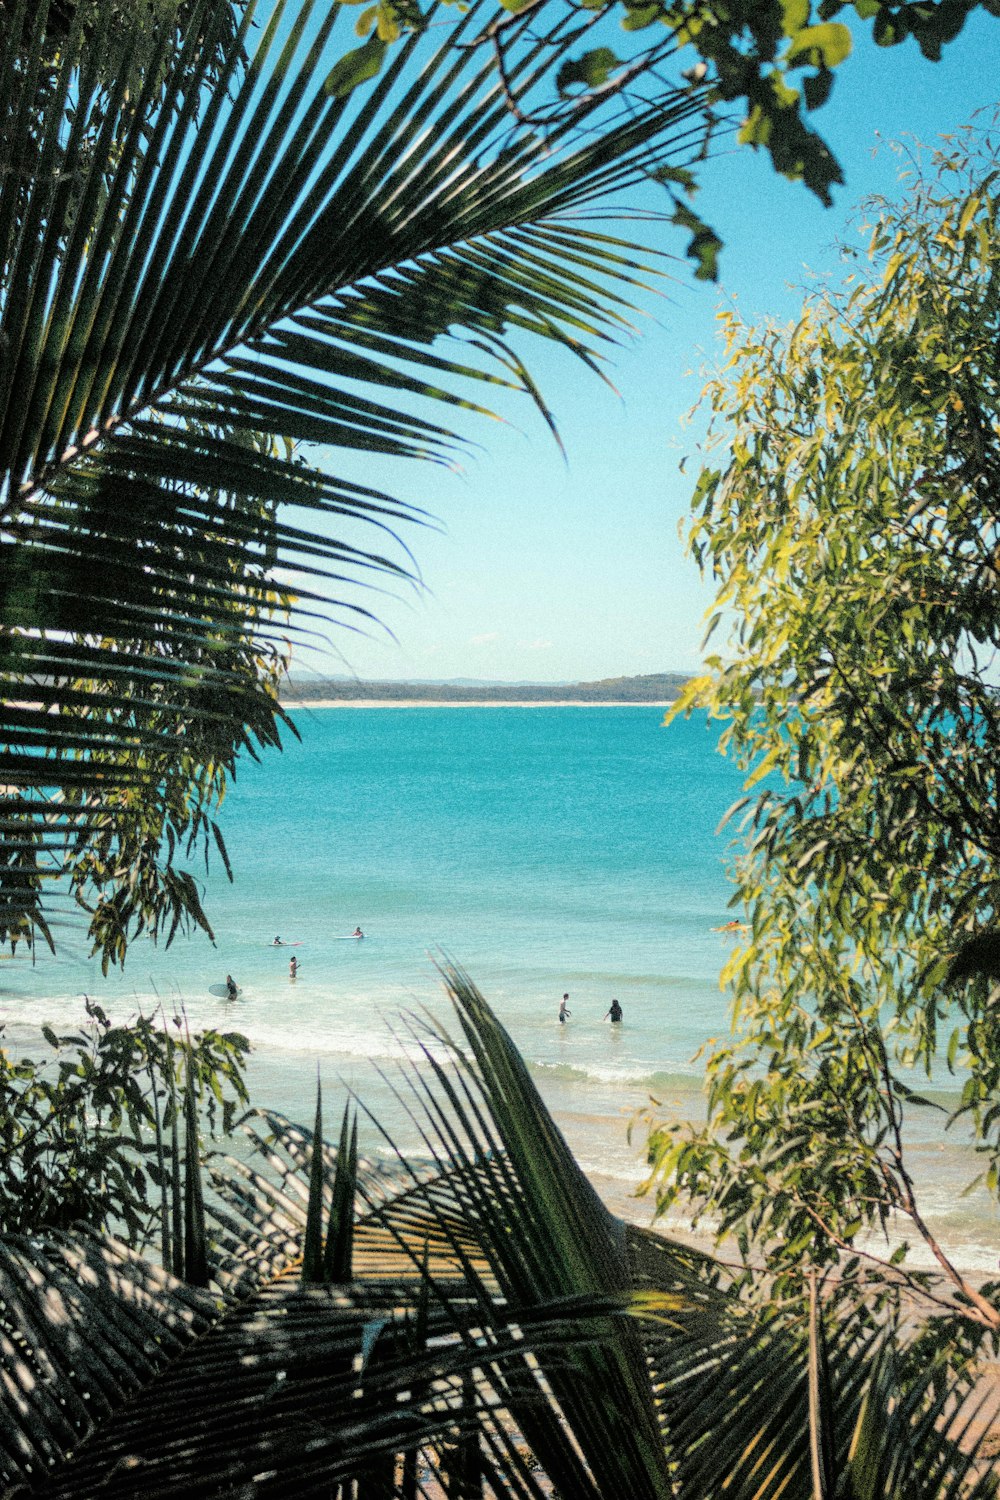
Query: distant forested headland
[653,687]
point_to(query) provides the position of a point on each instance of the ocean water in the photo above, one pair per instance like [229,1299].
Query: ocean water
[543,849]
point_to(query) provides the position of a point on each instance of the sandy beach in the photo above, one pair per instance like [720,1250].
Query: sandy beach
[286,1081]
[303,703]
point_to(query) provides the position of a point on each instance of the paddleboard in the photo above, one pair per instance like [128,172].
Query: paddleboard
[348,937]
[297,944]
[221,991]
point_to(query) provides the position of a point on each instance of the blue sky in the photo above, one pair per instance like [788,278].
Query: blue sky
[562,570]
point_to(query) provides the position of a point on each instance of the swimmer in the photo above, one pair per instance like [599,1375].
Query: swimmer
[732,927]
[293,967]
[564,1009]
[231,987]
[615,1012]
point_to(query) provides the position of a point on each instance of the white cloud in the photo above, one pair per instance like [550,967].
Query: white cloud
[485,640]
[538,645]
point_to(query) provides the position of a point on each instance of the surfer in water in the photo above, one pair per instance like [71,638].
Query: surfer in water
[277,943]
[564,1010]
[615,1012]
[232,989]
[357,932]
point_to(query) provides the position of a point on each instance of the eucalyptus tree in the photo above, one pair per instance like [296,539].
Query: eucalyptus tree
[852,528]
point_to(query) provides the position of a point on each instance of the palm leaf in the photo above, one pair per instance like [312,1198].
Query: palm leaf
[260,255]
[272,1388]
[547,1236]
[472,1326]
[273,1397]
[729,1394]
[86,1322]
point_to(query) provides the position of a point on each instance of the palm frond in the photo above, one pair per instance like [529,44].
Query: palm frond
[235,247]
[86,1322]
[500,1329]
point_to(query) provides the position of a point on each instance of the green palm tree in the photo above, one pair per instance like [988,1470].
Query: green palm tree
[231,242]
[477,1315]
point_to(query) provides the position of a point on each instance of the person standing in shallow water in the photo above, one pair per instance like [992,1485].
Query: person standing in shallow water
[564,1009]
[615,1012]
[293,967]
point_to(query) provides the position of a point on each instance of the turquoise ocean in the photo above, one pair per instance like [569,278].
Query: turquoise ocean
[544,849]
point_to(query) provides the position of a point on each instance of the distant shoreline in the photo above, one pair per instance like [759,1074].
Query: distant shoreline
[300,703]
[649,690]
